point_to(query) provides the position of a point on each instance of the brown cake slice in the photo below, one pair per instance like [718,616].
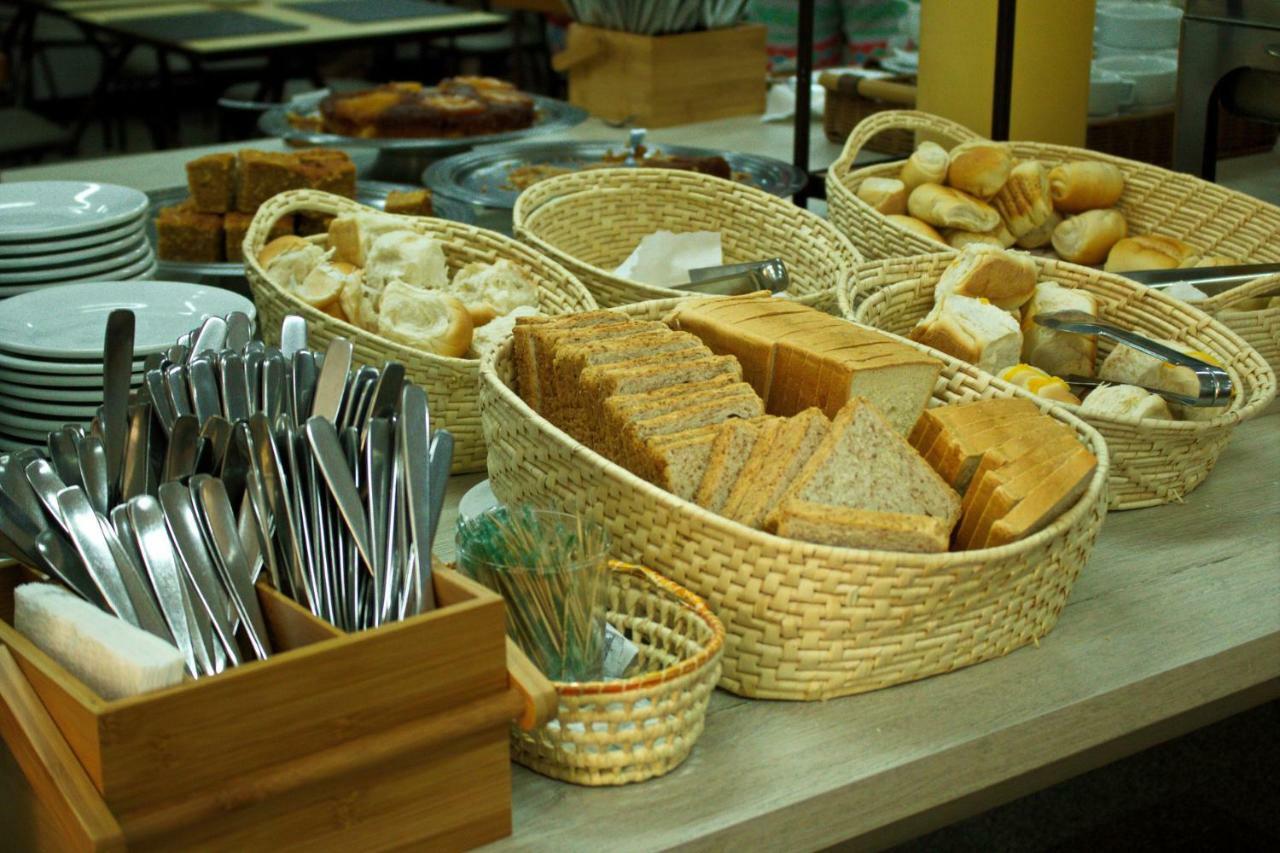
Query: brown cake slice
[185,234]
[211,181]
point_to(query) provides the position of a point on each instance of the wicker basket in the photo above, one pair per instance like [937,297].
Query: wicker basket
[615,732]
[807,621]
[1260,327]
[591,221]
[1212,218]
[1153,461]
[450,382]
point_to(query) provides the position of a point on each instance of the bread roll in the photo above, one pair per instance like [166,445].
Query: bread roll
[1041,235]
[424,319]
[357,304]
[1023,202]
[924,229]
[407,256]
[926,165]
[944,207]
[979,168]
[492,290]
[1040,383]
[887,195]
[1085,185]
[1087,238]
[323,285]
[998,237]
[1126,401]
[287,260]
[351,236]
[1149,252]
[1059,353]
[1005,279]
[972,330]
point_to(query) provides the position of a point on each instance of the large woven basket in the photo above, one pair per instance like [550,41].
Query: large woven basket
[632,729]
[591,221]
[450,382]
[1153,461]
[1259,327]
[1214,219]
[807,621]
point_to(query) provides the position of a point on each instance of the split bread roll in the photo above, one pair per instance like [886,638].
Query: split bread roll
[1005,279]
[1085,185]
[886,195]
[288,260]
[1087,238]
[492,290]
[1042,234]
[979,168]
[424,319]
[1059,353]
[406,256]
[323,286]
[945,207]
[926,165]
[1023,202]
[916,226]
[972,330]
[1041,384]
[998,237]
[1149,252]
[352,235]
[1125,401]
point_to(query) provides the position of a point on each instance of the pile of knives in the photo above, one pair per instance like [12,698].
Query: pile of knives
[235,456]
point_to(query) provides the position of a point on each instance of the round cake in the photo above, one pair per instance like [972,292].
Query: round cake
[458,106]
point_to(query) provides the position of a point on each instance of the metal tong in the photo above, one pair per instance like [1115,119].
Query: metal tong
[1210,280]
[736,279]
[1216,387]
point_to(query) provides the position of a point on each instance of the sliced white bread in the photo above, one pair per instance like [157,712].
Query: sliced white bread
[973,331]
[735,442]
[1125,401]
[849,527]
[1053,496]
[956,459]
[981,271]
[774,465]
[945,417]
[1055,352]
[1004,493]
[932,439]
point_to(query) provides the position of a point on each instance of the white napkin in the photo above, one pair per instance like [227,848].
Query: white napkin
[780,103]
[663,258]
[1184,291]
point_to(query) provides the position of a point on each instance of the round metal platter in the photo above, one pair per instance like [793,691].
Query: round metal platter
[551,115]
[480,177]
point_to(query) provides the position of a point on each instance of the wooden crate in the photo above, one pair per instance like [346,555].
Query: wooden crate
[659,81]
[383,739]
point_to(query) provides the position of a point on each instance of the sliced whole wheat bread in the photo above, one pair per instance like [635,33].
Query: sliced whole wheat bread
[849,527]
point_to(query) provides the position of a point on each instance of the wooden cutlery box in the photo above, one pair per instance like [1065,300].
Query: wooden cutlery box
[395,737]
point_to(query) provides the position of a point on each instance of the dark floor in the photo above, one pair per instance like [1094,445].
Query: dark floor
[1216,789]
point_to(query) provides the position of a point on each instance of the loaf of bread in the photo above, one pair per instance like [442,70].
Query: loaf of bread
[424,319]
[926,165]
[1126,401]
[998,237]
[1149,252]
[946,207]
[1040,383]
[972,330]
[1005,279]
[1087,238]
[916,226]
[1085,185]
[677,461]
[1023,202]
[957,450]
[1056,352]
[887,195]
[979,168]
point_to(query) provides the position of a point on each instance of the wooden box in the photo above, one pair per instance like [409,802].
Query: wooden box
[659,81]
[388,738]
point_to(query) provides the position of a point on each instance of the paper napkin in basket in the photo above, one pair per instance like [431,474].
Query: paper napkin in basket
[665,258]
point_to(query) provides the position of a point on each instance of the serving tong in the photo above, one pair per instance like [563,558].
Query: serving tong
[1216,388]
[736,279]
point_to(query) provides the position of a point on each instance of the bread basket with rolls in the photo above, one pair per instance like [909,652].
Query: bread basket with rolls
[443,289]
[591,221]
[803,620]
[1160,450]
[1252,311]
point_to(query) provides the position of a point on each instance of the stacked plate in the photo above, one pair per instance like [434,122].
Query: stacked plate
[51,346]
[55,232]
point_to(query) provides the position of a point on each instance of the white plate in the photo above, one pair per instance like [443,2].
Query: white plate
[37,210]
[111,249]
[70,321]
[63,244]
[143,269]
[30,426]
[54,381]
[76,396]
[19,406]
[41,364]
[134,252]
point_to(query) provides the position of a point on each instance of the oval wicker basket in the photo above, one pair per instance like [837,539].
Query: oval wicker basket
[632,729]
[806,621]
[591,221]
[451,383]
[1260,327]
[1153,461]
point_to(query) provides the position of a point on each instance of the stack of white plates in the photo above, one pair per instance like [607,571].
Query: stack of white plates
[51,346]
[56,232]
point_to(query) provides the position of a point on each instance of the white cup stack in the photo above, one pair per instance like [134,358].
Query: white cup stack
[1135,66]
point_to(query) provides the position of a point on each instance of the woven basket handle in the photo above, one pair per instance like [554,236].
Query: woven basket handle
[1236,295]
[878,123]
[292,201]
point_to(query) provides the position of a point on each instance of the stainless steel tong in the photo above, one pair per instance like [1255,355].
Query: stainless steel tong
[735,279]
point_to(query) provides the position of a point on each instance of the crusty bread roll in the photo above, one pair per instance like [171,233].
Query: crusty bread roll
[926,165]
[979,168]
[972,330]
[1023,202]
[924,229]
[352,235]
[887,195]
[287,260]
[945,207]
[1087,238]
[1125,401]
[323,285]
[1042,234]
[491,290]
[1005,279]
[425,319]
[407,256]
[1085,185]
[1040,383]
[1059,353]
[999,237]
[1149,252]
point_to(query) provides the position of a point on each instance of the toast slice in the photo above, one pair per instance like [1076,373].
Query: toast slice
[549,342]
[528,353]
[938,418]
[679,460]
[771,469]
[733,447]
[849,527]
[1053,496]
[650,373]
[1003,493]
[956,455]
[736,400]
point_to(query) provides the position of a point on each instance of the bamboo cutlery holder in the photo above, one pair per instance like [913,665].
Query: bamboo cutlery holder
[387,738]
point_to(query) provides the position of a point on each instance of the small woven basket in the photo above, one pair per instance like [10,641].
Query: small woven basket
[805,621]
[591,221]
[1260,327]
[1153,461]
[1214,219]
[632,729]
[450,382]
